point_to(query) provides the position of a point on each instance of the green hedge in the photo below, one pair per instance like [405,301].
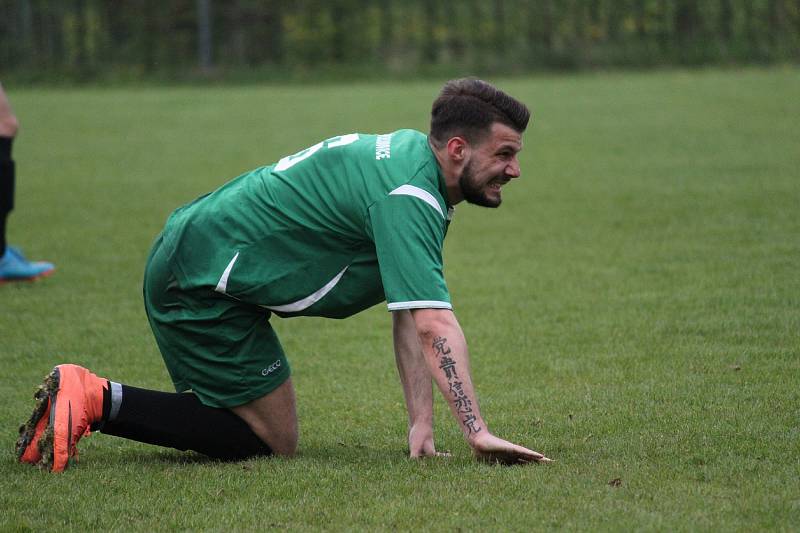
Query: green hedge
[102,39]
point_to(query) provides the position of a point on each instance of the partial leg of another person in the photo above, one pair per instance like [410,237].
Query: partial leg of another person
[13,264]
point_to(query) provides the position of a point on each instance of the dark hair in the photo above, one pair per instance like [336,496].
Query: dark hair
[468,107]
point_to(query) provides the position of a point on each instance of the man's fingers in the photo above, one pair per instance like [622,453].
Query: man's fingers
[523,451]
[530,455]
[537,457]
[513,458]
[434,454]
[491,449]
[525,460]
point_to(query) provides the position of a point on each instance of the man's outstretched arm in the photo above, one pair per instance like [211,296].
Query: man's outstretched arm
[445,352]
[416,381]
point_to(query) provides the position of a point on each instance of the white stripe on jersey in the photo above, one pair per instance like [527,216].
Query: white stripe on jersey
[309,300]
[422,194]
[222,284]
[419,304]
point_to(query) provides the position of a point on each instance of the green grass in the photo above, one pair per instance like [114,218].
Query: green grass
[633,311]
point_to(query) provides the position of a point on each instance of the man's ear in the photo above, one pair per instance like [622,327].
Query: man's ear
[457,149]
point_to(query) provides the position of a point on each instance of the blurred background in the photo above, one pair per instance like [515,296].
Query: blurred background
[116,40]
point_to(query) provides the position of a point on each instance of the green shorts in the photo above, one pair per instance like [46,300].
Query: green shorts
[224,351]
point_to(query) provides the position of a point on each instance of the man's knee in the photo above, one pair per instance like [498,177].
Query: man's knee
[282,437]
[285,442]
[273,417]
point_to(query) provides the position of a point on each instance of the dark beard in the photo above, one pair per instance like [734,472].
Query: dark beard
[471,191]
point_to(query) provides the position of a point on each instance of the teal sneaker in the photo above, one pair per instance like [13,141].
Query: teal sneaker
[14,267]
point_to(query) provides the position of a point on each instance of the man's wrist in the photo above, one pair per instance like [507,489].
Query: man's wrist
[480,430]
[420,431]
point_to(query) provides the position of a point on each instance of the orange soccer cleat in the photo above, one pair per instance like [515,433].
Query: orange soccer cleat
[76,402]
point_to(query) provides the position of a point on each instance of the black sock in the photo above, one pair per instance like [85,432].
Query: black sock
[6,187]
[180,421]
[5,148]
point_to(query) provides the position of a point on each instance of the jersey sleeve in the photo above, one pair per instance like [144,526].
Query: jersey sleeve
[408,228]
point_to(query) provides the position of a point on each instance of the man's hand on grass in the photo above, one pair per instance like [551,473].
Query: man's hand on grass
[491,449]
[420,442]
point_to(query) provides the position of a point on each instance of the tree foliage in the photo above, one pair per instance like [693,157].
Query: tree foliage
[87,38]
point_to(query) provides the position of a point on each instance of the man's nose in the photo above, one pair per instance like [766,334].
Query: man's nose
[513,170]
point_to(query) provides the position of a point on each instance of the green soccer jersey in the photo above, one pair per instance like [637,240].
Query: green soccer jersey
[329,231]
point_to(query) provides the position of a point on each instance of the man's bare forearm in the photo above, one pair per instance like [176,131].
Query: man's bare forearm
[446,355]
[445,351]
[416,381]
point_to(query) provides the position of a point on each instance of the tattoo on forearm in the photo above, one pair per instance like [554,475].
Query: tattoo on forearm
[449,367]
[455,387]
[440,346]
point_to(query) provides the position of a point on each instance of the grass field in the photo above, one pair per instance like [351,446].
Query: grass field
[633,311]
